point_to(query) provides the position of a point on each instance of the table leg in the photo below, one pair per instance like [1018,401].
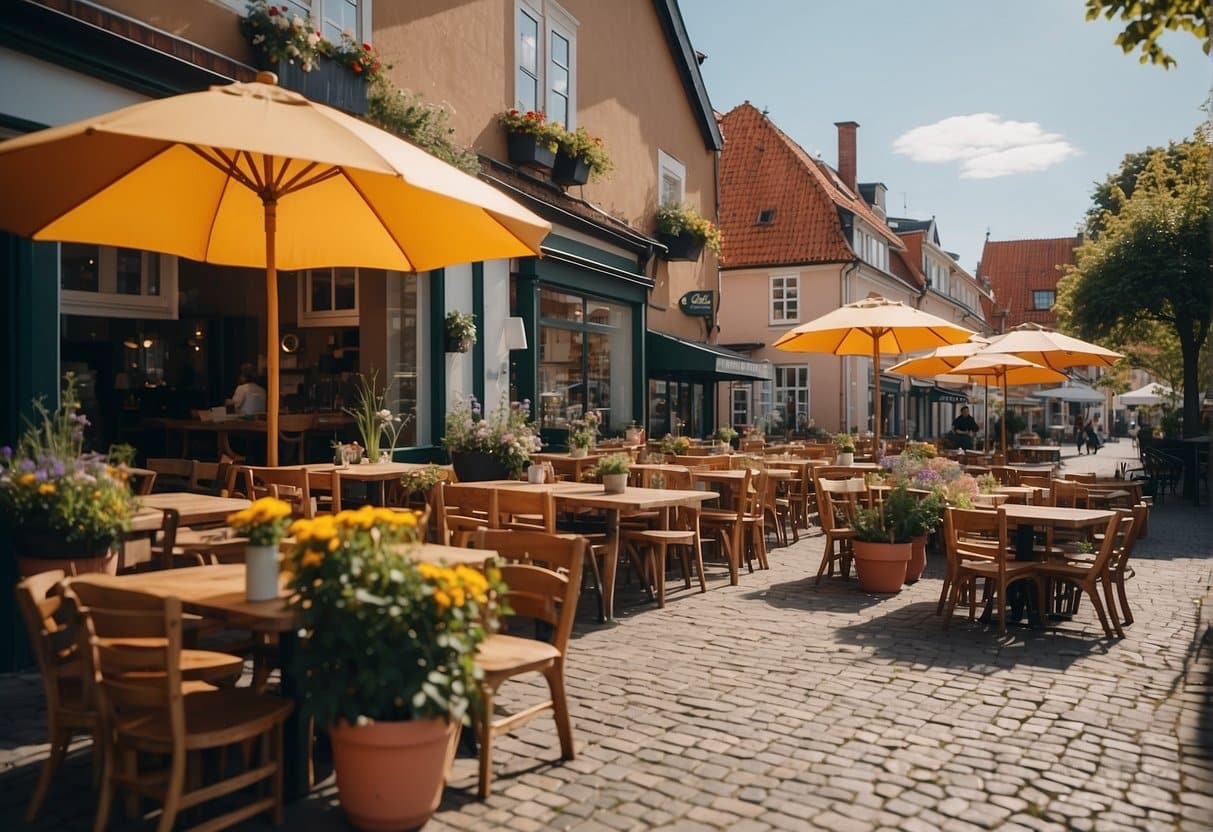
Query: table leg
[610,564]
[296,754]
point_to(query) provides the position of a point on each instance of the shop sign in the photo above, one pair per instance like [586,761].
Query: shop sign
[698,304]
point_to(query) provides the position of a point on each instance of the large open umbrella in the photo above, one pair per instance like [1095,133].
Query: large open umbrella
[1048,348]
[1005,369]
[1149,394]
[942,360]
[1072,393]
[873,326]
[253,175]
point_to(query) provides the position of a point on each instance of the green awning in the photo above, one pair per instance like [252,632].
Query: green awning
[942,395]
[670,356]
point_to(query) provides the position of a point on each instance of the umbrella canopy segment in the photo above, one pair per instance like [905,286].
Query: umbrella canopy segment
[873,326]
[256,176]
[1052,349]
[941,359]
[1072,393]
[1006,369]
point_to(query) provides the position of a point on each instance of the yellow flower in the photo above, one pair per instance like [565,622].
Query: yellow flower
[442,600]
[46,488]
[26,479]
[311,558]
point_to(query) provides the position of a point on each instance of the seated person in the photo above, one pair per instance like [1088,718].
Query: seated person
[249,397]
[964,427]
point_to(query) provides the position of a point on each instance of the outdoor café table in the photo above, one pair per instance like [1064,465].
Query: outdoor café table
[370,473]
[573,495]
[1027,518]
[568,466]
[218,592]
[191,508]
[1019,493]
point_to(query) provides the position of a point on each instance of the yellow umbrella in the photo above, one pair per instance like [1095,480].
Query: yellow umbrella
[941,360]
[253,175]
[1005,369]
[873,326]
[1052,349]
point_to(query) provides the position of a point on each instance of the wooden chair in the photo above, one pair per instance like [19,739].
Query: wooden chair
[837,502]
[1119,569]
[141,480]
[56,633]
[1090,576]
[970,534]
[727,522]
[543,573]
[292,432]
[998,573]
[148,708]
[290,484]
[718,462]
[1043,498]
[753,521]
[172,474]
[683,533]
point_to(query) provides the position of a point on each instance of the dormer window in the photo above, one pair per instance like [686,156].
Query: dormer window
[766,217]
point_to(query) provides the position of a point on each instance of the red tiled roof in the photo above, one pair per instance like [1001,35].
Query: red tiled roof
[1016,268]
[762,169]
[908,264]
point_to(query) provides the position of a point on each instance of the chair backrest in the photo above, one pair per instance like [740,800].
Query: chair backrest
[761,493]
[1117,539]
[173,474]
[543,575]
[136,676]
[974,533]
[1068,494]
[1085,478]
[716,462]
[837,501]
[53,621]
[750,444]
[1120,556]
[512,503]
[290,484]
[141,480]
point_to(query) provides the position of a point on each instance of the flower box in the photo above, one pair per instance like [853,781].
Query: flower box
[329,83]
[527,151]
[681,247]
[455,343]
[570,170]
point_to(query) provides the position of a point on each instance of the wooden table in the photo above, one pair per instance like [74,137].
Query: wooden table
[218,592]
[192,508]
[326,475]
[568,466]
[572,495]
[1020,493]
[1027,518]
[224,427]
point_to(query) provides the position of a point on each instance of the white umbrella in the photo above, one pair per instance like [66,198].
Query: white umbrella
[1149,394]
[1072,393]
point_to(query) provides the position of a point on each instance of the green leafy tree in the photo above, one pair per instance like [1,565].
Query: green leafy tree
[1147,20]
[1121,184]
[1148,272]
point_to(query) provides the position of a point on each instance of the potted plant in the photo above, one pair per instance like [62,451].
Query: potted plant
[882,541]
[928,513]
[580,157]
[582,434]
[685,233]
[725,434]
[613,470]
[460,331]
[677,445]
[374,419]
[532,142]
[844,444]
[387,661]
[264,524]
[495,447]
[634,432]
[60,507]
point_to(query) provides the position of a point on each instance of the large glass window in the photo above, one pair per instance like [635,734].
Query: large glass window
[406,303]
[785,298]
[527,83]
[545,59]
[585,360]
[672,175]
[792,395]
[741,406]
[328,297]
[103,281]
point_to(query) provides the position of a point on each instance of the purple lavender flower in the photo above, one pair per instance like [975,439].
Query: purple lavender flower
[77,435]
[40,475]
[57,468]
[6,452]
[25,466]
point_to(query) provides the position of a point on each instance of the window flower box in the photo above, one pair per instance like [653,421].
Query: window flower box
[527,151]
[570,170]
[682,246]
[328,82]
[685,233]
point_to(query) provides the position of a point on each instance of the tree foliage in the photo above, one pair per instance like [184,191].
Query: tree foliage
[1145,278]
[1149,19]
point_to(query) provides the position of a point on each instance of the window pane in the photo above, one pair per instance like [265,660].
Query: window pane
[558,109]
[561,383]
[559,305]
[79,267]
[322,290]
[403,315]
[130,272]
[151,270]
[560,50]
[528,43]
[344,289]
[528,91]
[341,16]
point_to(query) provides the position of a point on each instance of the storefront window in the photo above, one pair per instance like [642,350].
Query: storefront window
[585,360]
[80,267]
[406,298]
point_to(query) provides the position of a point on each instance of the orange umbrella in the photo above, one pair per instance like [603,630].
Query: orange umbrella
[873,326]
[1051,349]
[253,175]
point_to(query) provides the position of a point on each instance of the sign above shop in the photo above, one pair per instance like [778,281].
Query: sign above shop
[698,304]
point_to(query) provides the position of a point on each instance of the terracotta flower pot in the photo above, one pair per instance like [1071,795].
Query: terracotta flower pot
[881,566]
[390,775]
[918,559]
[40,549]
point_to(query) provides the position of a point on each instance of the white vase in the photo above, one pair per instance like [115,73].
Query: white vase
[578,453]
[615,483]
[260,572]
[536,474]
[846,458]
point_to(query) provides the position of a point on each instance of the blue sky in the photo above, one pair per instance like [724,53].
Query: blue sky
[1039,103]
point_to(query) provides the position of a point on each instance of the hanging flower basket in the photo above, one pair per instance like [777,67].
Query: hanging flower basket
[683,246]
[570,170]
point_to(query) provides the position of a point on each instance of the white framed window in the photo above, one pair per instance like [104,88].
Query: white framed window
[785,299]
[792,394]
[871,249]
[545,60]
[740,414]
[109,282]
[331,17]
[328,297]
[671,179]
[1043,299]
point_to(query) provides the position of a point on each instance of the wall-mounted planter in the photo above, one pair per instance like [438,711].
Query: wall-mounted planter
[526,151]
[682,247]
[329,83]
[570,170]
[457,344]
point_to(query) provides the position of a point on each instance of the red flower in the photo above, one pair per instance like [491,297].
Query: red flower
[513,112]
[356,66]
[273,11]
[367,47]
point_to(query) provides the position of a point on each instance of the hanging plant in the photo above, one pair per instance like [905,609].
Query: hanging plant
[460,331]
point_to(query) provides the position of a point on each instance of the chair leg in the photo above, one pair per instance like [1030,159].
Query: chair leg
[703,581]
[1126,613]
[1099,610]
[130,768]
[827,559]
[560,710]
[172,793]
[105,800]
[485,738]
[276,784]
[60,739]
[953,597]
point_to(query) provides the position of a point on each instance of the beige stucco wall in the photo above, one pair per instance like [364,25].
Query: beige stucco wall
[209,23]
[628,92]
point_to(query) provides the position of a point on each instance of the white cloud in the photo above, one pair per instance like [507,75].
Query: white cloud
[986,145]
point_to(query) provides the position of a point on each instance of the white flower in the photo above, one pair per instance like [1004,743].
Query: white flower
[297,22]
[283,23]
[313,39]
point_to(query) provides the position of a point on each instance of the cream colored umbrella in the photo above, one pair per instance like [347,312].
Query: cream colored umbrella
[1005,369]
[254,175]
[873,326]
[1049,348]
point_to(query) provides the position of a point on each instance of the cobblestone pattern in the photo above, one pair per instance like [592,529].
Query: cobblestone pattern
[780,704]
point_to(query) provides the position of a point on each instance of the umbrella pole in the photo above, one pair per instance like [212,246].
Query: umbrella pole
[876,381]
[1006,411]
[985,437]
[271,332]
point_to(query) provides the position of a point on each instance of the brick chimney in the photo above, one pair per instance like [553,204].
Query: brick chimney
[846,153]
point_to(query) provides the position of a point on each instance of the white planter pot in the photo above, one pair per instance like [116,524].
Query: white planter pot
[578,453]
[846,459]
[615,483]
[261,573]
[632,435]
[535,474]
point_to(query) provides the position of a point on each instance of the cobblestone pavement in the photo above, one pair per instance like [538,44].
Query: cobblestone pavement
[780,704]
